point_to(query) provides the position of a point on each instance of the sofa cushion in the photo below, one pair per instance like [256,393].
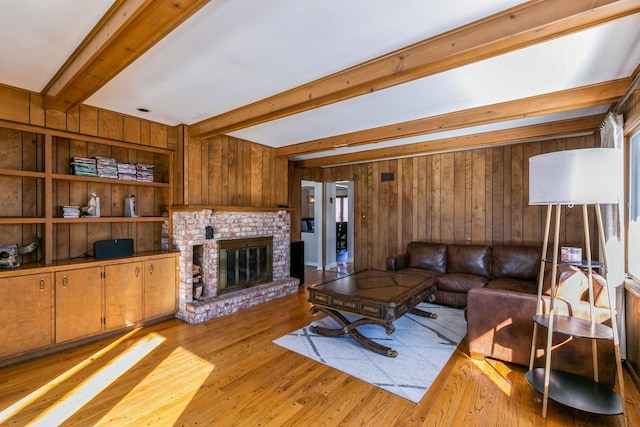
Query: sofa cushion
[518,262]
[572,285]
[469,259]
[456,282]
[420,272]
[431,256]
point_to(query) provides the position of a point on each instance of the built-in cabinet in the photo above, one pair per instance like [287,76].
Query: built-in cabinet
[68,302]
[59,293]
[26,314]
[78,306]
[123,295]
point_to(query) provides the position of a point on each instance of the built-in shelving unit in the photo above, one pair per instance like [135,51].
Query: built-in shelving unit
[35,173]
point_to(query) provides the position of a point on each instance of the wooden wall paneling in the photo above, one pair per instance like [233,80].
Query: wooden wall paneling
[225,170]
[517,193]
[506,199]
[110,125]
[36,110]
[232,144]
[267,195]
[372,207]
[194,195]
[215,172]
[245,173]
[56,119]
[255,189]
[460,196]
[447,220]
[14,104]
[73,120]
[477,189]
[497,194]
[406,225]
[172,136]
[395,207]
[88,120]
[422,206]
[436,196]
[488,195]
[145,133]
[131,129]
[204,172]
[158,135]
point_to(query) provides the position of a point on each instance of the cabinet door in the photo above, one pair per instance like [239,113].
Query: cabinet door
[25,317]
[123,295]
[78,303]
[159,287]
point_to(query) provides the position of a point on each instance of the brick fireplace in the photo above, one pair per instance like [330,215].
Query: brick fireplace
[189,235]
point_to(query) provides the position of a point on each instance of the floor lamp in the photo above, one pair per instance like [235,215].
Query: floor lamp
[584,177]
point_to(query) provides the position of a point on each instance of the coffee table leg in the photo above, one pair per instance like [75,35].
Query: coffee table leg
[349,328]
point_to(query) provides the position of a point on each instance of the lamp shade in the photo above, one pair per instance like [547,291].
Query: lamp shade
[585,176]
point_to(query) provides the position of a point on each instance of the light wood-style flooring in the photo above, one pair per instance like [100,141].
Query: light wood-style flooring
[228,372]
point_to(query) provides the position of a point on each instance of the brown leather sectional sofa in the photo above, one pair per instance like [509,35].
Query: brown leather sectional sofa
[498,286]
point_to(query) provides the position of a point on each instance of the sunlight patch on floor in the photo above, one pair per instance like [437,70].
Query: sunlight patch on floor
[497,374]
[37,394]
[93,385]
[162,396]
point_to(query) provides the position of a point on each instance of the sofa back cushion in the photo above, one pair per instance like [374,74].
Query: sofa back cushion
[430,256]
[469,259]
[516,262]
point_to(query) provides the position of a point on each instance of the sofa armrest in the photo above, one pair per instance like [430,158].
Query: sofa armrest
[397,263]
[500,326]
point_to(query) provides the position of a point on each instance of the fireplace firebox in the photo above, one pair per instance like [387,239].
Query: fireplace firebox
[244,263]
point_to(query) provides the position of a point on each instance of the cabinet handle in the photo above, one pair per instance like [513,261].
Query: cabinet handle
[64,281]
[41,284]
[137,271]
[150,268]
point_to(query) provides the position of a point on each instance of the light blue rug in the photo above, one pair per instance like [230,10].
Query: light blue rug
[424,346]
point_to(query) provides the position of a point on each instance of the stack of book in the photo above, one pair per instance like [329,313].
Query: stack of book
[71,212]
[127,171]
[107,167]
[144,172]
[83,166]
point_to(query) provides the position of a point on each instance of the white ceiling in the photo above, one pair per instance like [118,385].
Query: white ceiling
[232,53]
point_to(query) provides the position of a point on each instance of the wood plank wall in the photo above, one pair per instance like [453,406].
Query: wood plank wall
[475,197]
[227,171]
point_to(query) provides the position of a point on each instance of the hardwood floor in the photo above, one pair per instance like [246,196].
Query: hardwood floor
[228,372]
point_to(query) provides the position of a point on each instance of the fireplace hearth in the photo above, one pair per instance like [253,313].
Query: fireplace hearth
[255,249]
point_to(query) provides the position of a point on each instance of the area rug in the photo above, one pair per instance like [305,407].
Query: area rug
[424,346]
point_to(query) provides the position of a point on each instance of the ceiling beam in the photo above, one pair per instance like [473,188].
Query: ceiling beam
[125,32]
[555,102]
[524,25]
[487,139]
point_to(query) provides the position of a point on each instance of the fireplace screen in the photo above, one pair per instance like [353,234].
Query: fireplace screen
[244,263]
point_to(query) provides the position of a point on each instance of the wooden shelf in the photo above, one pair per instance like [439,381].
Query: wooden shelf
[80,178]
[108,219]
[577,392]
[21,174]
[576,327]
[582,264]
[22,220]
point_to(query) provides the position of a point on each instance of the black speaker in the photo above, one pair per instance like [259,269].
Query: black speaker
[113,248]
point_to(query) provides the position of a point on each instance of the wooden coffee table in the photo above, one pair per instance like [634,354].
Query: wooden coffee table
[376,297]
